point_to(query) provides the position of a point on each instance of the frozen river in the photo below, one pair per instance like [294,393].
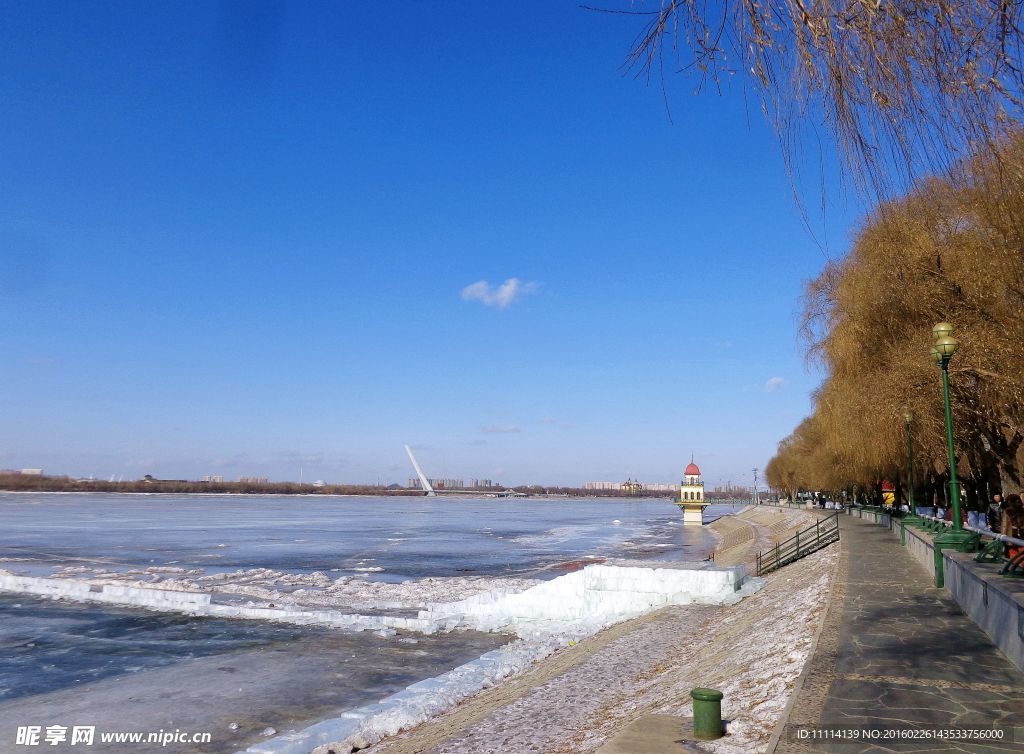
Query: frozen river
[63,663]
[392,537]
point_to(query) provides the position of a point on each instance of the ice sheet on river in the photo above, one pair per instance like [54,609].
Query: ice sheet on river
[546,616]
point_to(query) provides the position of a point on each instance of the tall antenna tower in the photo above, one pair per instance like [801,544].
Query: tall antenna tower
[756,499]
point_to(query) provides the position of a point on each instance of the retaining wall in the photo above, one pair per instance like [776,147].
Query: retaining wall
[919,545]
[882,519]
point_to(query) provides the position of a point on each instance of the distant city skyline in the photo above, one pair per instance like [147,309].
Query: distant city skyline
[238,247]
[410,482]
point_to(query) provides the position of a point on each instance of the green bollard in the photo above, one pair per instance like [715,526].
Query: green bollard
[707,714]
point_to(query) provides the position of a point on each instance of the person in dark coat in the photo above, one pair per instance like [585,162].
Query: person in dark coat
[995,512]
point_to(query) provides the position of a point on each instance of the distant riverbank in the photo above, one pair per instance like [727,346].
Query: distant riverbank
[34,483]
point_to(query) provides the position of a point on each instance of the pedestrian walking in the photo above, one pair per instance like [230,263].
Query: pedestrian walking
[973,509]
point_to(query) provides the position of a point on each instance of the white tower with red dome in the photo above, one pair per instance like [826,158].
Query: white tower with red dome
[691,496]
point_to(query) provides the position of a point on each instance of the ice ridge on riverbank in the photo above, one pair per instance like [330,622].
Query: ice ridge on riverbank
[595,595]
[547,617]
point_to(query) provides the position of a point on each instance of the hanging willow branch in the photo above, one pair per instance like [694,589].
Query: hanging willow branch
[905,87]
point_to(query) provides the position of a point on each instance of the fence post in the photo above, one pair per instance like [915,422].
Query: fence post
[798,545]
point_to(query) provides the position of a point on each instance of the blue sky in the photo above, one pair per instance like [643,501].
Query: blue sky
[245,239]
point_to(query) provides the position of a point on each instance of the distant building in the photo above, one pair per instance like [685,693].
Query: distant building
[32,472]
[631,487]
[150,479]
[447,484]
[478,483]
[253,479]
[438,484]
[217,478]
[602,485]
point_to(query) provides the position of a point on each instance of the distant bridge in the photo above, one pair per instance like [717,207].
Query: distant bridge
[429,491]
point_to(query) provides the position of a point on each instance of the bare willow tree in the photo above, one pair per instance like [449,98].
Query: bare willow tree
[904,86]
[952,250]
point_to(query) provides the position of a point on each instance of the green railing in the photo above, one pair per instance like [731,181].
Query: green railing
[824,532]
[784,504]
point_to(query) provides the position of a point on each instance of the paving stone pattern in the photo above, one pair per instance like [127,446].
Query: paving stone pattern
[903,654]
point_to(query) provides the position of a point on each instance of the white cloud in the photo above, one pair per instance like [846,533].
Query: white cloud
[774,384]
[501,296]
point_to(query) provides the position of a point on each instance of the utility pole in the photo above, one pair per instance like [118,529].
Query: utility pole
[756,501]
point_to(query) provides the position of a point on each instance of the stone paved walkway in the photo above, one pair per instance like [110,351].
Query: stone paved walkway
[895,650]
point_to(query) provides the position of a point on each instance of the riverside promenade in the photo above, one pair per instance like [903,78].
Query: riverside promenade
[896,651]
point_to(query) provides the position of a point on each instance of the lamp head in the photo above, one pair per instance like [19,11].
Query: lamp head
[947,345]
[936,354]
[941,330]
[908,417]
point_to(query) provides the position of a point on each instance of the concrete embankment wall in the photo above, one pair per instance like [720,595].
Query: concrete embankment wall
[992,601]
[742,535]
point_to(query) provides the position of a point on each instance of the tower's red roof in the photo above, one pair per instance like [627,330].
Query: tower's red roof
[692,470]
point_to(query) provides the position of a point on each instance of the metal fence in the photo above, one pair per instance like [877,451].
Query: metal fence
[824,532]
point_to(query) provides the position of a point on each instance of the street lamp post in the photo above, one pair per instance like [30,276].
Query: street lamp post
[958,539]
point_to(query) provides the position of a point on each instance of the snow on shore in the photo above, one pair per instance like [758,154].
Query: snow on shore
[552,615]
